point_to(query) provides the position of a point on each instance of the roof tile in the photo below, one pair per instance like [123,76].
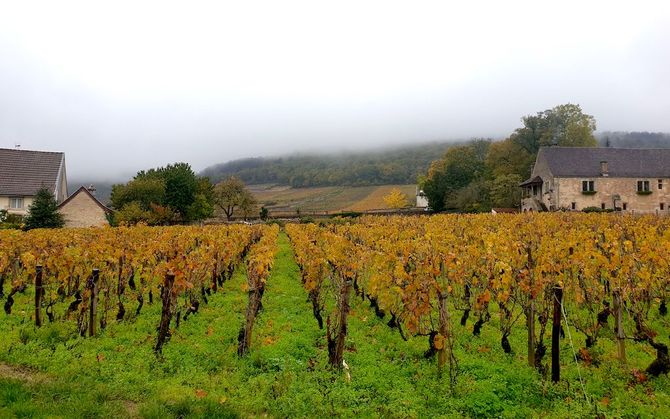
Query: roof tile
[24,172]
[621,162]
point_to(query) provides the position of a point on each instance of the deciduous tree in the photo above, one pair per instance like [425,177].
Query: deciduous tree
[396,199]
[231,194]
[460,166]
[564,125]
[174,191]
[505,191]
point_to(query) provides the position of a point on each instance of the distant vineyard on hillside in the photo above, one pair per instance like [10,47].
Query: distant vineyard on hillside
[396,166]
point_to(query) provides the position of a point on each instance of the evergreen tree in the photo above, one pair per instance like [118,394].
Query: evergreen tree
[43,212]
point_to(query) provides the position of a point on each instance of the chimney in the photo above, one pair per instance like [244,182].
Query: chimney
[603,168]
[91,189]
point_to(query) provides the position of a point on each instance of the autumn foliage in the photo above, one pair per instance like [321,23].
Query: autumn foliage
[421,270]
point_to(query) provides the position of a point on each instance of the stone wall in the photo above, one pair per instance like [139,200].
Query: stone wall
[547,195]
[82,211]
[569,190]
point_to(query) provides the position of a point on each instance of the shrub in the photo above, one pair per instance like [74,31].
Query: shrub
[350,214]
[596,209]
[43,212]
[10,221]
[131,214]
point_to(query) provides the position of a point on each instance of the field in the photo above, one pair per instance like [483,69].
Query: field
[51,371]
[285,200]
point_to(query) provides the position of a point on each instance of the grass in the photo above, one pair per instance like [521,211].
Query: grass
[51,372]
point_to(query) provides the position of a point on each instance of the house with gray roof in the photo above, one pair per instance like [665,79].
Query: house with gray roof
[24,172]
[621,179]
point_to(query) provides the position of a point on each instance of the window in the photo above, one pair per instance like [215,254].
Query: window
[662,206]
[15,203]
[588,186]
[537,190]
[574,205]
[602,205]
[643,186]
[660,184]
[625,206]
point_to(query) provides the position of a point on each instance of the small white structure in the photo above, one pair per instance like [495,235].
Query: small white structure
[421,199]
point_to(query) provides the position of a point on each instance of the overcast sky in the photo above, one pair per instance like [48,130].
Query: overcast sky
[135,84]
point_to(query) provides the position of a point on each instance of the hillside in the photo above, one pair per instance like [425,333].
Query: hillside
[286,200]
[400,165]
[395,166]
[634,139]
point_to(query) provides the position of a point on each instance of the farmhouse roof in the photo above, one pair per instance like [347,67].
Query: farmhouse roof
[533,181]
[90,195]
[24,172]
[621,162]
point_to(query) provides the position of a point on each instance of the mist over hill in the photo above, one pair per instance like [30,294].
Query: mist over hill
[634,139]
[399,165]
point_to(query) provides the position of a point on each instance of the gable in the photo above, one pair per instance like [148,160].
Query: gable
[83,197]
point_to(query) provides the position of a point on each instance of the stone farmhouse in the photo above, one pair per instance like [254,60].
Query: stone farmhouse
[24,172]
[574,178]
[83,209]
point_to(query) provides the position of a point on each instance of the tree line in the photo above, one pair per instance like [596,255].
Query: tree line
[483,174]
[174,194]
[634,139]
[397,166]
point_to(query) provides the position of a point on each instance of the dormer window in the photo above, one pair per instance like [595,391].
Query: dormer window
[588,187]
[603,168]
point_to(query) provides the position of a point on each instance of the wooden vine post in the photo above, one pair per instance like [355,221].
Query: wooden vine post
[39,291]
[214,273]
[244,338]
[530,314]
[93,286]
[556,335]
[618,326]
[166,313]
[444,329]
[336,343]
[121,286]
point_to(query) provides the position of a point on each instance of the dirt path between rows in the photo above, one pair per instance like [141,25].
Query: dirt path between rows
[25,374]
